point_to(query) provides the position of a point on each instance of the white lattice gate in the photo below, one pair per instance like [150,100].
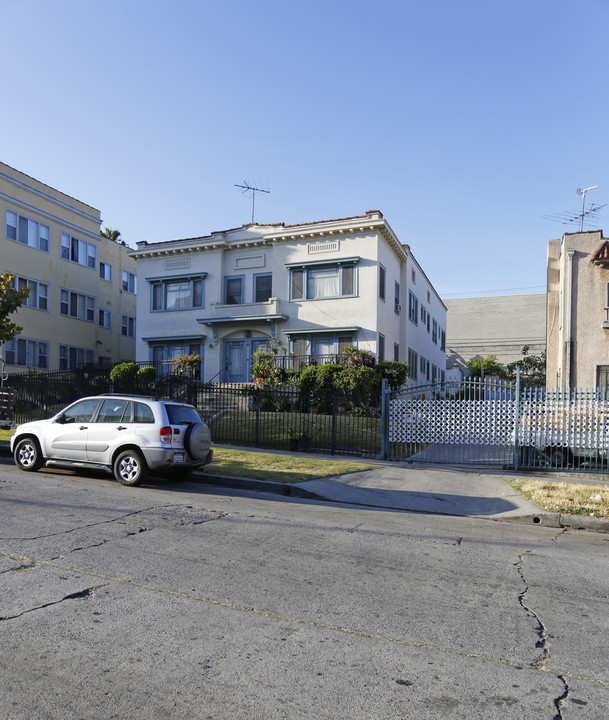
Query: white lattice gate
[454,423]
[497,423]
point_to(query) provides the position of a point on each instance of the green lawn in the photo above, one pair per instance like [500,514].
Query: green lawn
[276,429]
[278,468]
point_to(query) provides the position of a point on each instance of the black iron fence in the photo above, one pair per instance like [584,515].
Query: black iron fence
[238,414]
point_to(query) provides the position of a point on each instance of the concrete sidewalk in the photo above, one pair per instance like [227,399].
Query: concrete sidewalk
[439,490]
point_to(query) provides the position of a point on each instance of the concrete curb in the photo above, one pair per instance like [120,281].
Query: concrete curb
[558,520]
[543,519]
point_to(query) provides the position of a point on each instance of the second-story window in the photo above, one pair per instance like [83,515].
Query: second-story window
[77,305]
[263,287]
[396,299]
[78,251]
[39,293]
[316,283]
[382,276]
[177,294]
[434,332]
[26,231]
[413,308]
[233,290]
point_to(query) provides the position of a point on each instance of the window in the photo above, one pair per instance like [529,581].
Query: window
[73,357]
[413,359]
[396,299]
[428,322]
[396,352]
[105,271]
[164,354]
[434,332]
[413,275]
[428,297]
[423,315]
[316,283]
[382,274]
[602,378]
[422,366]
[233,290]
[105,319]
[413,308]
[381,348]
[127,326]
[27,232]
[39,292]
[177,294]
[27,353]
[442,340]
[434,374]
[263,287]
[78,251]
[129,282]
[75,305]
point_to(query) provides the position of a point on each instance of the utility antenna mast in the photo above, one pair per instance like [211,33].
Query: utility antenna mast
[246,187]
[583,194]
[565,218]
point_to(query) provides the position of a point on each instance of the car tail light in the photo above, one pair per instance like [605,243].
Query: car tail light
[166,435]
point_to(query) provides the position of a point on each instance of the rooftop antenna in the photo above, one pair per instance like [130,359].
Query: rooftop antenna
[583,194]
[570,217]
[246,187]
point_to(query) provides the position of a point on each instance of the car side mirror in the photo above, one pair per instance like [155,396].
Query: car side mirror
[61,419]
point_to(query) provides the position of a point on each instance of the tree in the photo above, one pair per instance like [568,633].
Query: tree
[491,366]
[11,300]
[110,233]
[532,368]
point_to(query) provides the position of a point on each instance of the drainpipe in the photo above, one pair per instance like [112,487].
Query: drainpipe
[569,340]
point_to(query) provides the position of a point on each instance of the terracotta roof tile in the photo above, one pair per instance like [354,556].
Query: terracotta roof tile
[601,256]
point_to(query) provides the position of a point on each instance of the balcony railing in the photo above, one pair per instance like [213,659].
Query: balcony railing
[219,311]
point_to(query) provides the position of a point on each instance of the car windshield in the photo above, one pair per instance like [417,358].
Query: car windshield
[182,415]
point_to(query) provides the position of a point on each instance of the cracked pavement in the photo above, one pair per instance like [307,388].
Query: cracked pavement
[188,601]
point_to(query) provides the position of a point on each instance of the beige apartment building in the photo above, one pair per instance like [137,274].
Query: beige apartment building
[578,311]
[81,308]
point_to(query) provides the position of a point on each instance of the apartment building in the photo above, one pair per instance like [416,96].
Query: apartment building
[311,289]
[82,302]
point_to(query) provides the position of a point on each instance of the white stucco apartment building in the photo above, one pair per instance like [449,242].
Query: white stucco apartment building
[312,289]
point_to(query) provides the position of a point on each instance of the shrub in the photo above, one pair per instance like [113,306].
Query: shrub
[146,375]
[316,387]
[393,371]
[123,376]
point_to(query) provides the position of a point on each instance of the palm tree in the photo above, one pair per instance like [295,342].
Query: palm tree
[110,233]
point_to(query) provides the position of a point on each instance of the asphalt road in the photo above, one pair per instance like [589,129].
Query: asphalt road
[187,601]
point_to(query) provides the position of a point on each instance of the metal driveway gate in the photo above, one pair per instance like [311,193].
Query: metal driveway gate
[474,423]
[460,423]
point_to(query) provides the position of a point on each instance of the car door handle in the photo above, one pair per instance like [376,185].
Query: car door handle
[121,427]
[83,427]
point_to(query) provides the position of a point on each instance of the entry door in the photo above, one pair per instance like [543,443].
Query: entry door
[235,360]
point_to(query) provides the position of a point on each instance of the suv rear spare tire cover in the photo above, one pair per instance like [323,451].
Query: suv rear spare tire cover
[197,441]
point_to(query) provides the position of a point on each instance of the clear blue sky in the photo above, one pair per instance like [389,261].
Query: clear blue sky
[463,122]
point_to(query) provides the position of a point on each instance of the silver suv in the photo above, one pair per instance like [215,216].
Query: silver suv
[128,435]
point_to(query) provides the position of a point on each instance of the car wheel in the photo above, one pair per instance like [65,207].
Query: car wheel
[28,455]
[197,440]
[130,468]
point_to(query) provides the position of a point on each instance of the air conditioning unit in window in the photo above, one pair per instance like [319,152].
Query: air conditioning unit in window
[397,308]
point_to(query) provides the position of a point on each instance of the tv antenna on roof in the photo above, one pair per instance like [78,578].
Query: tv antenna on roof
[246,187]
[566,217]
